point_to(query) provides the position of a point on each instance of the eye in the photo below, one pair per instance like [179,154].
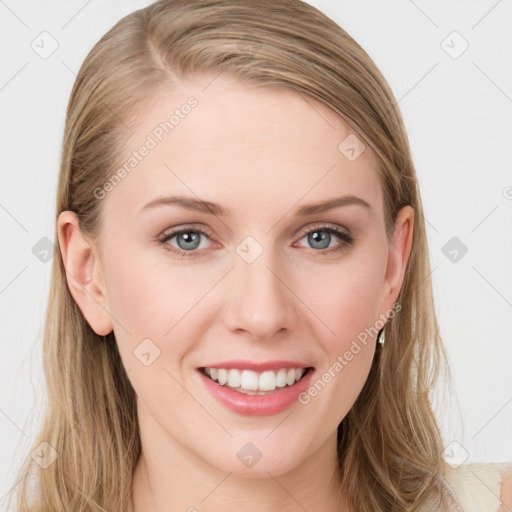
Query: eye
[321,236]
[189,242]
[186,241]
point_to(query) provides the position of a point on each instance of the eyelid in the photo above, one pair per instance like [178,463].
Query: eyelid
[304,231]
[323,225]
[184,228]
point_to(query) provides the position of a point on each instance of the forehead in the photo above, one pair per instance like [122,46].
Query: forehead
[243,145]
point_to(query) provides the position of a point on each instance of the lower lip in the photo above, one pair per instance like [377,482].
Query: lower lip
[257,405]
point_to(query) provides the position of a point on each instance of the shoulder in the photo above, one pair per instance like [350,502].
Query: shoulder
[506,488]
[482,487]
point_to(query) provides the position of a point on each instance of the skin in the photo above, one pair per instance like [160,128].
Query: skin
[506,491]
[261,153]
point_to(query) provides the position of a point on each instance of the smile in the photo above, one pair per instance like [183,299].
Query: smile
[255,383]
[255,393]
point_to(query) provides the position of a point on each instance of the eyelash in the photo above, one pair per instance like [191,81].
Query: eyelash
[347,239]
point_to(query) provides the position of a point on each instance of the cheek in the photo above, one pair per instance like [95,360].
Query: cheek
[154,305]
[348,306]
[166,302]
[148,295]
[346,299]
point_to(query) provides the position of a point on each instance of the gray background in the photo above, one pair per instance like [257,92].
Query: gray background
[457,109]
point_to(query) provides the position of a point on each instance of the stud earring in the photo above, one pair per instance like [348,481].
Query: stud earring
[381,338]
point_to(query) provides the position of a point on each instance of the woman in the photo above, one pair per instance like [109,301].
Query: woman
[242,312]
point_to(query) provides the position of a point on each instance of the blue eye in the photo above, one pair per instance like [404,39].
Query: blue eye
[320,238]
[188,242]
[189,239]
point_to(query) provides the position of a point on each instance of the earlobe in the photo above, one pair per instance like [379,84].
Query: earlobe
[83,273]
[399,253]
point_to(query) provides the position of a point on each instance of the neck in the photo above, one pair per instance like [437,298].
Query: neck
[169,477]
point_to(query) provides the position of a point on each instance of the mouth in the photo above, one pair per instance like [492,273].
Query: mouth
[250,382]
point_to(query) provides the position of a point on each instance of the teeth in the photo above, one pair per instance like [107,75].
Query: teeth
[267,381]
[234,379]
[281,378]
[250,381]
[222,376]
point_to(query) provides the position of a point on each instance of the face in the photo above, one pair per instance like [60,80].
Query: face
[219,250]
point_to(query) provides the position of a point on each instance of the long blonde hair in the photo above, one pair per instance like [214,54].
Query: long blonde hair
[390,445]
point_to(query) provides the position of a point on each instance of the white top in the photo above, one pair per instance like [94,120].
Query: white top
[478,485]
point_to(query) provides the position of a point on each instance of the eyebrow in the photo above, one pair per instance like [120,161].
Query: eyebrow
[208,207]
[330,204]
[189,203]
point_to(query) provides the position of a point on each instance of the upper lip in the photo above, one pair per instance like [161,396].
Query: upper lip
[257,366]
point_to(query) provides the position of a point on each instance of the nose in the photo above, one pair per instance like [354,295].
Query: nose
[259,300]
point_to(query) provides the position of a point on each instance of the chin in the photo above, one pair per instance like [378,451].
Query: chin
[259,457]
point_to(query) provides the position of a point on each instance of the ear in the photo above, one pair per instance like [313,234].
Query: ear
[399,252]
[83,273]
